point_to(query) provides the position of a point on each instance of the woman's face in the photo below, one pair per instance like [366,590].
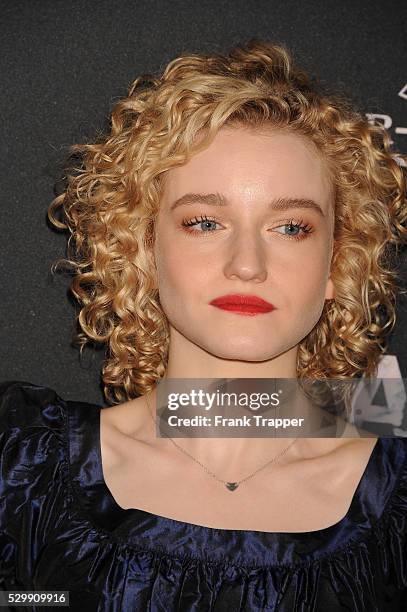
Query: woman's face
[239,241]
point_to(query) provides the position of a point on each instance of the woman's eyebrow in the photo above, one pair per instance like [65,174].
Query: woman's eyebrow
[215,199]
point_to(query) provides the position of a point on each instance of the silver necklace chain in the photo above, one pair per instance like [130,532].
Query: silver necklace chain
[231,486]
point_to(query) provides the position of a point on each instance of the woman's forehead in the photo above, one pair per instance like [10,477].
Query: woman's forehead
[241,163]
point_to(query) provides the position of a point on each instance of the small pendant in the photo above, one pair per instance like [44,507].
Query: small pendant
[231,485]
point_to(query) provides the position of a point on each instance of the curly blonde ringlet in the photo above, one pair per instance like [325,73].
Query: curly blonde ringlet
[112,196]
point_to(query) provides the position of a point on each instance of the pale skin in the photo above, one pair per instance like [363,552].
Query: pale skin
[248,251]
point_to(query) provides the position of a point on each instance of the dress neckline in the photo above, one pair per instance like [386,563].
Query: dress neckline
[84,441]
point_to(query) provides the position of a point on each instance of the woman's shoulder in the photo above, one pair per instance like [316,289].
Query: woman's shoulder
[24,404]
[30,415]
[32,435]
[32,424]
[395,450]
[35,420]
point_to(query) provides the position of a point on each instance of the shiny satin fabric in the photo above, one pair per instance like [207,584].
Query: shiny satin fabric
[61,529]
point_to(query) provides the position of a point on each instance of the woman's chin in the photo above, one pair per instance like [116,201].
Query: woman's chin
[240,351]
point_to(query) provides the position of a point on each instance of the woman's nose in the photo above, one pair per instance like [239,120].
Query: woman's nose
[245,258]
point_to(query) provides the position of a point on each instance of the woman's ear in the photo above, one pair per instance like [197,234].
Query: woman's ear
[330,290]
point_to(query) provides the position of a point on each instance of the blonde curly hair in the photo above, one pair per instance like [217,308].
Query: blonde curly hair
[112,195]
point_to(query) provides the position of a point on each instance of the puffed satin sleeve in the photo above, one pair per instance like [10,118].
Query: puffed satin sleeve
[30,423]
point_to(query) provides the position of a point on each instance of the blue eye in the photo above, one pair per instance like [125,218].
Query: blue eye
[291,226]
[203,221]
[300,230]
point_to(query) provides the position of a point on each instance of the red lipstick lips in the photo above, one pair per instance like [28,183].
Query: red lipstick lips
[243,304]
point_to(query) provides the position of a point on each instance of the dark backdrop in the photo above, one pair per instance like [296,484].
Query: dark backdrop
[64,63]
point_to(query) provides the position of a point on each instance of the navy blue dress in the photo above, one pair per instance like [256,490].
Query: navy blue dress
[61,529]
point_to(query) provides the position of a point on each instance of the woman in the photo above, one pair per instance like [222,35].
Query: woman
[225,176]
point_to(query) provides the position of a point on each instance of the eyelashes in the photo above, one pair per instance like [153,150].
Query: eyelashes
[291,224]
